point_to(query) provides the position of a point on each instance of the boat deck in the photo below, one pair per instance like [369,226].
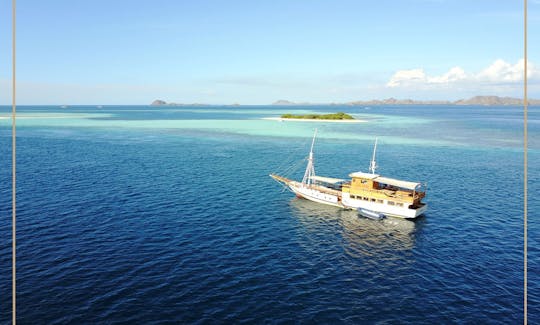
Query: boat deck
[326,190]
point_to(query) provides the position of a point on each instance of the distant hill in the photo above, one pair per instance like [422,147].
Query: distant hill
[476,100]
[287,102]
[393,101]
[159,102]
[494,100]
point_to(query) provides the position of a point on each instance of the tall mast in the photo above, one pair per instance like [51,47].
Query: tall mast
[310,168]
[373,164]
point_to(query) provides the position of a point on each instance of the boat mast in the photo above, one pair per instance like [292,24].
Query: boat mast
[310,168]
[373,164]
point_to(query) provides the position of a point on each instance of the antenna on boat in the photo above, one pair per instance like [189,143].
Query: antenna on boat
[373,164]
[310,168]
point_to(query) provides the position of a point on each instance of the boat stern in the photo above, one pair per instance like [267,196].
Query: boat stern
[419,211]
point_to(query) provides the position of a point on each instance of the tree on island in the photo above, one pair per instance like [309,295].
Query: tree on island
[334,116]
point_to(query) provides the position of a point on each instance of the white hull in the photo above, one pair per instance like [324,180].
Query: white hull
[346,202]
[384,208]
[315,195]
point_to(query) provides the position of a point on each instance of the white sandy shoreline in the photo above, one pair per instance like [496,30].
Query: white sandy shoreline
[280,119]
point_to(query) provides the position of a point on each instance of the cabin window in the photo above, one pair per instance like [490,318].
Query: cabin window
[365,199]
[363,181]
[372,200]
[379,201]
[399,204]
[391,203]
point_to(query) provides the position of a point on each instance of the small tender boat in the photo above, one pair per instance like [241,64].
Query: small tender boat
[371,214]
[373,195]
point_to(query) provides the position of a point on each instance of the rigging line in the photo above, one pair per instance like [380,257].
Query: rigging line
[293,153]
[285,187]
[14,178]
[293,168]
[288,160]
[286,171]
[525,105]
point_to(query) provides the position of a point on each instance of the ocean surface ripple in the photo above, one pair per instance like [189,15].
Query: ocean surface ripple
[148,225]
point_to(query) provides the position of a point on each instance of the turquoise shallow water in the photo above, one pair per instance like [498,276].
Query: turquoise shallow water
[140,214]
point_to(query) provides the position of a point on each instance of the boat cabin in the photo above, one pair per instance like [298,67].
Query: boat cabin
[373,187]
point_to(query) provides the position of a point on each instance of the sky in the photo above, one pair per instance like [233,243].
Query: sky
[257,52]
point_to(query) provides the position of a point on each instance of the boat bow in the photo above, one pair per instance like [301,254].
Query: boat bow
[281,179]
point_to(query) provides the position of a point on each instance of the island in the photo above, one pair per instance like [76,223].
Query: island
[334,116]
[158,102]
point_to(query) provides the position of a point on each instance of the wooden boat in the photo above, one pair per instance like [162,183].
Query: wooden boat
[367,191]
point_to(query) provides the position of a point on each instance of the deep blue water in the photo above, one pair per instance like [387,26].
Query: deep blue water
[141,223]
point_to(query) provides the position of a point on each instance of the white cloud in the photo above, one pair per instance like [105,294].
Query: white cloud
[454,74]
[499,72]
[404,77]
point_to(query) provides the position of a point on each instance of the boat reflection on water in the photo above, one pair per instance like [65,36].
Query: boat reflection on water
[361,236]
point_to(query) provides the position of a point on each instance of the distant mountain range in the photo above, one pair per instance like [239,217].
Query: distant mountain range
[159,102]
[286,103]
[476,100]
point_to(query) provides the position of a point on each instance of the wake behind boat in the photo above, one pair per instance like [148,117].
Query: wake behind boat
[371,194]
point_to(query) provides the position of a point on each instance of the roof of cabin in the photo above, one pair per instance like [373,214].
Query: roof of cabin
[328,180]
[363,175]
[397,182]
[385,180]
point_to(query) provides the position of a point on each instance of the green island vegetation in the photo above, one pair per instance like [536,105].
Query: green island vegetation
[334,116]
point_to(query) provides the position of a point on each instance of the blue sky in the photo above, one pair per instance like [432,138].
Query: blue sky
[256,52]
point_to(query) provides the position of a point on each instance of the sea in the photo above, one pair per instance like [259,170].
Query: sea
[167,214]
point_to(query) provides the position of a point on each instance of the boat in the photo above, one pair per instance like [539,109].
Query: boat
[371,214]
[368,193]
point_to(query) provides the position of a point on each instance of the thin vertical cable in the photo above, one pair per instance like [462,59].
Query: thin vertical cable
[14,178]
[525,105]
